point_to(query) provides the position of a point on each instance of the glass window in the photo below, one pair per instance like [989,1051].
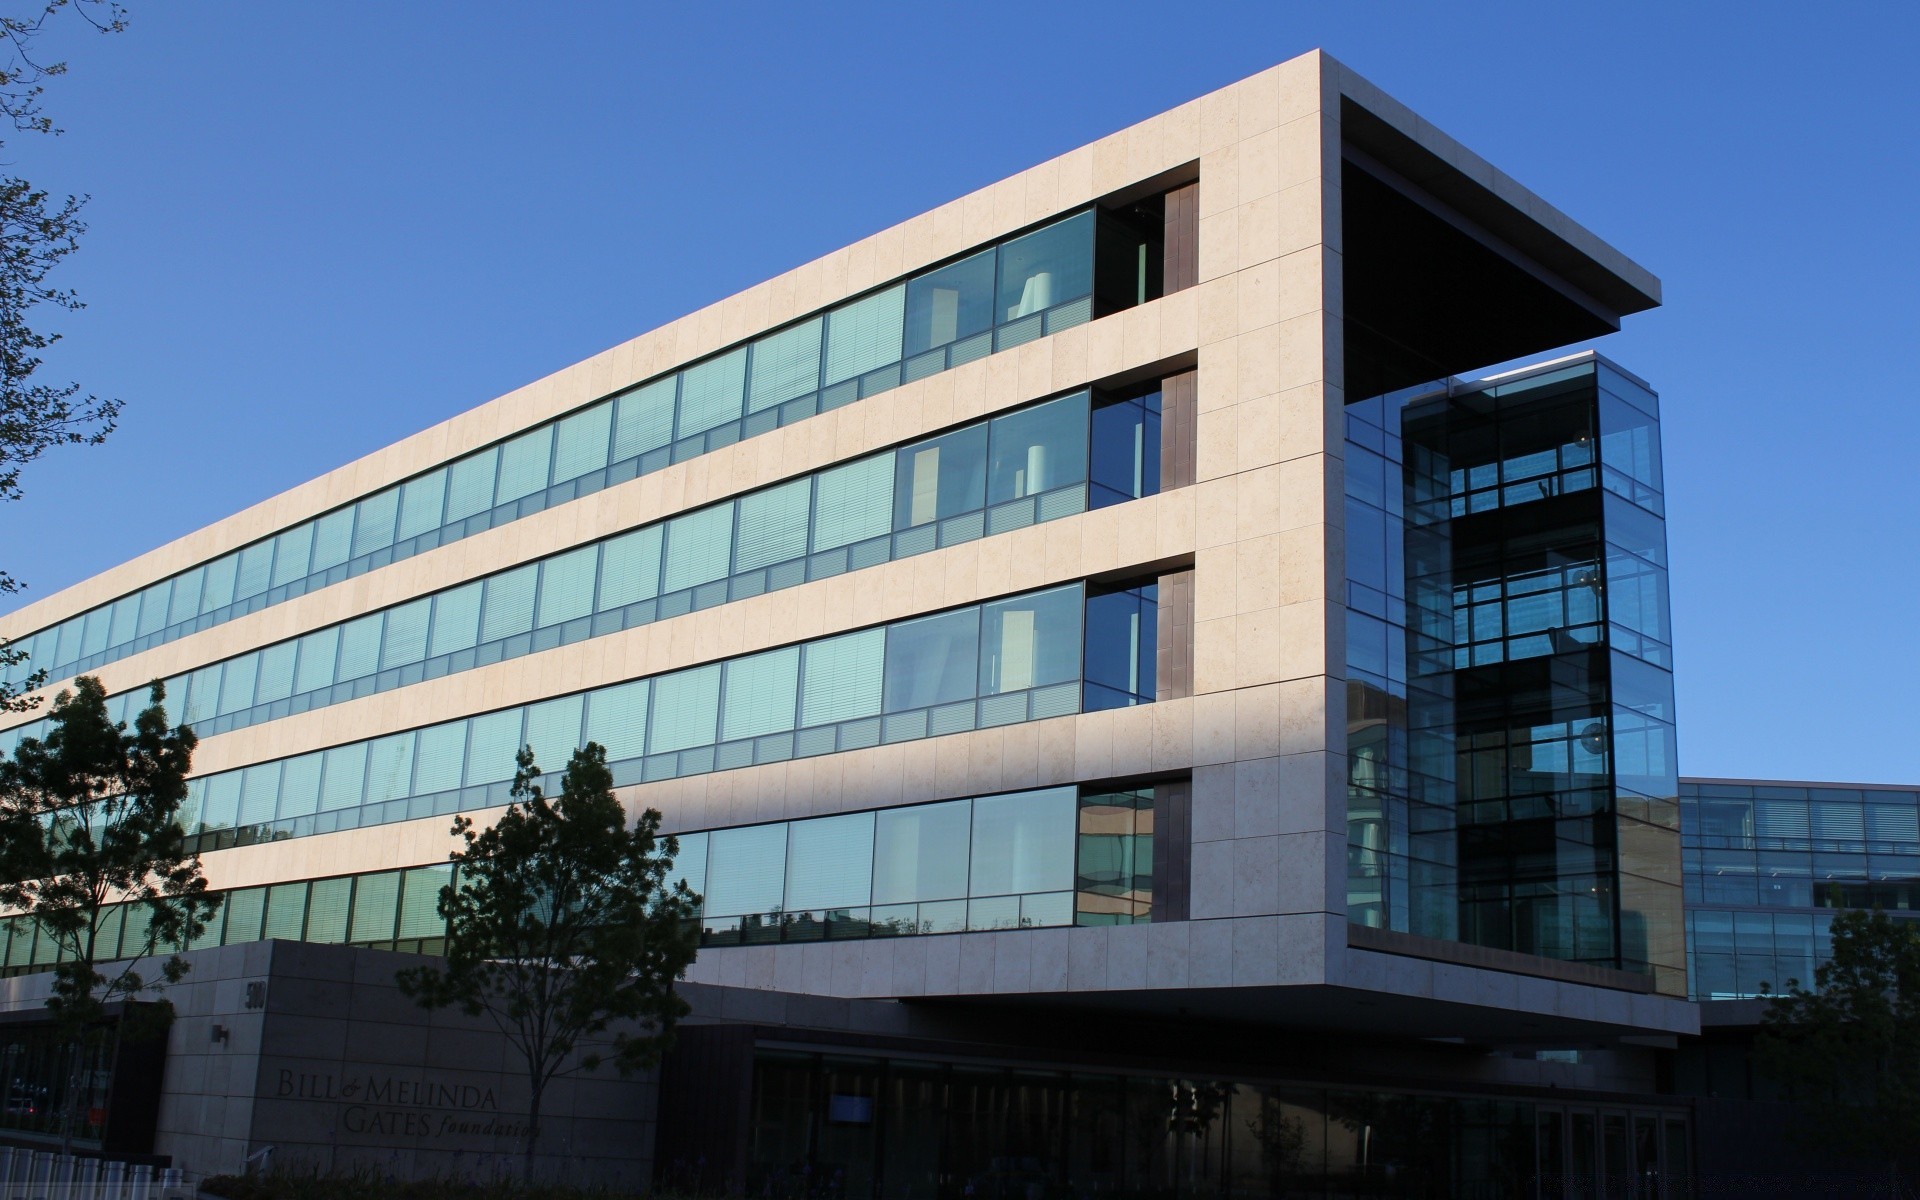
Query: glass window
[617,719]
[286,911]
[470,484]
[690,864]
[685,709]
[864,335]
[439,755]
[630,568]
[315,668]
[300,786]
[420,902]
[343,778]
[1122,635]
[256,570]
[276,673]
[932,660]
[291,552]
[492,741]
[699,547]
[217,594]
[941,478]
[332,539]
[566,586]
[1028,641]
[327,905]
[456,619]
[786,365]
[745,870]
[760,694]
[236,685]
[773,525]
[405,640]
[222,805]
[711,393]
[1047,267]
[643,419]
[126,617]
[830,862]
[359,647]
[373,524]
[153,610]
[422,503]
[580,443]
[553,730]
[853,503]
[389,768]
[843,678]
[1023,843]
[1038,449]
[376,906]
[1126,450]
[951,303]
[508,608]
[524,463]
[920,853]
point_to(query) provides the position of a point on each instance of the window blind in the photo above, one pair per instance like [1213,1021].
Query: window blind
[553,730]
[319,651]
[422,501]
[259,794]
[456,619]
[217,593]
[359,647]
[470,484]
[343,778]
[439,753]
[236,684]
[697,547]
[292,552]
[246,907]
[153,611]
[508,607]
[300,786]
[617,719]
[630,568]
[524,462]
[566,586]
[920,853]
[865,334]
[222,804]
[843,678]
[276,673]
[420,902]
[643,419]
[492,741]
[711,393]
[373,523]
[830,862]
[773,525]
[580,443]
[684,709]
[390,768]
[327,904]
[256,566]
[760,694]
[332,539]
[745,870]
[785,365]
[853,502]
[405,640]
[286,912]
[376,905]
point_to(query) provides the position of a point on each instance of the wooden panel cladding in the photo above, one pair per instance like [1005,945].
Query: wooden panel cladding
[1181,242]
[1179,405]
[1173,642]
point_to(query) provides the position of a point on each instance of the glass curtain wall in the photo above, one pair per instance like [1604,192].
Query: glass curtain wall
[1020,860]
[1033,465]
[1766,865]
[1511,763]
[846,1125]
[1000,297]
[1012,660]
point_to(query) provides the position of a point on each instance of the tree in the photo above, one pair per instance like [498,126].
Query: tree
[560,924]
[36,232]
[1849,1047]
[91,845]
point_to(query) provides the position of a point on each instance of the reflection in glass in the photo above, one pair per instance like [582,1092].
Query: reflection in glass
[951,303]
[932,660]
[1047,267]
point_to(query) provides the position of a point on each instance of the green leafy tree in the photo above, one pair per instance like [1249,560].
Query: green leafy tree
[561,926]
[1848,1048]
[36,232]
[91,851]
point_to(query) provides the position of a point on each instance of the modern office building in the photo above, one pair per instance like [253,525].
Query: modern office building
[1144,708]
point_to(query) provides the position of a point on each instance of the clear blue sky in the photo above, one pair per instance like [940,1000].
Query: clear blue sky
[317,228]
